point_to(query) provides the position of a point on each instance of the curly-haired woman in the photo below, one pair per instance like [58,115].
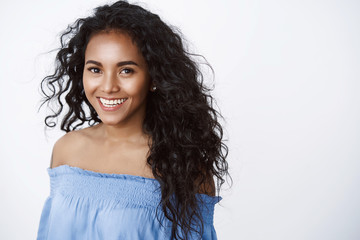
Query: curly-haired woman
[144,167]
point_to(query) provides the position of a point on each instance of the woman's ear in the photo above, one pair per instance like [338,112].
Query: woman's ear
[152,87]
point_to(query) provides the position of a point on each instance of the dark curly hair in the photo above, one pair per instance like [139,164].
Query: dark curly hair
[187,147]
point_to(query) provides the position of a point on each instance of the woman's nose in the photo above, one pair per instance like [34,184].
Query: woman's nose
[110,83]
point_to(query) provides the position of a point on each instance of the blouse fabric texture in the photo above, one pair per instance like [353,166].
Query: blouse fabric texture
[90,205]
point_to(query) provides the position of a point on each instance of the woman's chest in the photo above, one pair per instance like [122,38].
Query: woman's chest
[126,159]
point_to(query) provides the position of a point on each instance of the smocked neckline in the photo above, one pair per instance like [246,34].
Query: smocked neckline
[65,168]
[99,174]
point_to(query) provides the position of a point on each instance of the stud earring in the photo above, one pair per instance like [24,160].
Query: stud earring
[154,88]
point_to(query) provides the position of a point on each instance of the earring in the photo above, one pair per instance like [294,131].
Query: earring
[154,88]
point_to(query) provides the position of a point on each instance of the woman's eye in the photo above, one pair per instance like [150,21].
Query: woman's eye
[94,70]
[127,71]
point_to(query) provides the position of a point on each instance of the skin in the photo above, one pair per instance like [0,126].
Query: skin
[114,68]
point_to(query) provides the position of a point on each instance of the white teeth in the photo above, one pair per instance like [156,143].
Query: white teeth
[112,103]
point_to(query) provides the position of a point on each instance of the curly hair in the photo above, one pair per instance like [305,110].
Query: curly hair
[187,147]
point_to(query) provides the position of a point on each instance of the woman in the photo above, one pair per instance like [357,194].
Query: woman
[144,166]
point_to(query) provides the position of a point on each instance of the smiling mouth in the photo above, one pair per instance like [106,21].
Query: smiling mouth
[112,102]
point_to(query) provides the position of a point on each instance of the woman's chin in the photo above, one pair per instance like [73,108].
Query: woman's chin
[111,122]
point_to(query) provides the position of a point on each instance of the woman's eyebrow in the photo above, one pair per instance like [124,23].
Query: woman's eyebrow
[119,64]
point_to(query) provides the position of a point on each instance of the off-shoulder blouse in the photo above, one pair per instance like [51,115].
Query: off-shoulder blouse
[90,205]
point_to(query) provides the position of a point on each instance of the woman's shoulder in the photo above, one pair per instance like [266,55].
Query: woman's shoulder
[69,145]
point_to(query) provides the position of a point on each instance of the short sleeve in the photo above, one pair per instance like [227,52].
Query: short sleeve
[44,220]
[208,216]
[209,232]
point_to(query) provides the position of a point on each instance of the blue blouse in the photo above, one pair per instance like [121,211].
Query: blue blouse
[90,205]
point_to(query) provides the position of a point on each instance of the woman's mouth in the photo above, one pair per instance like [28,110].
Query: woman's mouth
[111,105]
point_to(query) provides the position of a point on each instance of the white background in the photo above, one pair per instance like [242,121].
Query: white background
[287,82]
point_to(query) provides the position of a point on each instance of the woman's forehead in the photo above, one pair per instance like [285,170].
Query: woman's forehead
[113,46]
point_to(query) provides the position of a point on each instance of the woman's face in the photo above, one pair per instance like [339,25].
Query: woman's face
[115,78]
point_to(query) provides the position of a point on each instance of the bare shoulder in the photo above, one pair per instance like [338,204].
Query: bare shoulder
[66,147]
[208,186]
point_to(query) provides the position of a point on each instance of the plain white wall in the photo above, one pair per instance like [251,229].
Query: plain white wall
[287,82]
